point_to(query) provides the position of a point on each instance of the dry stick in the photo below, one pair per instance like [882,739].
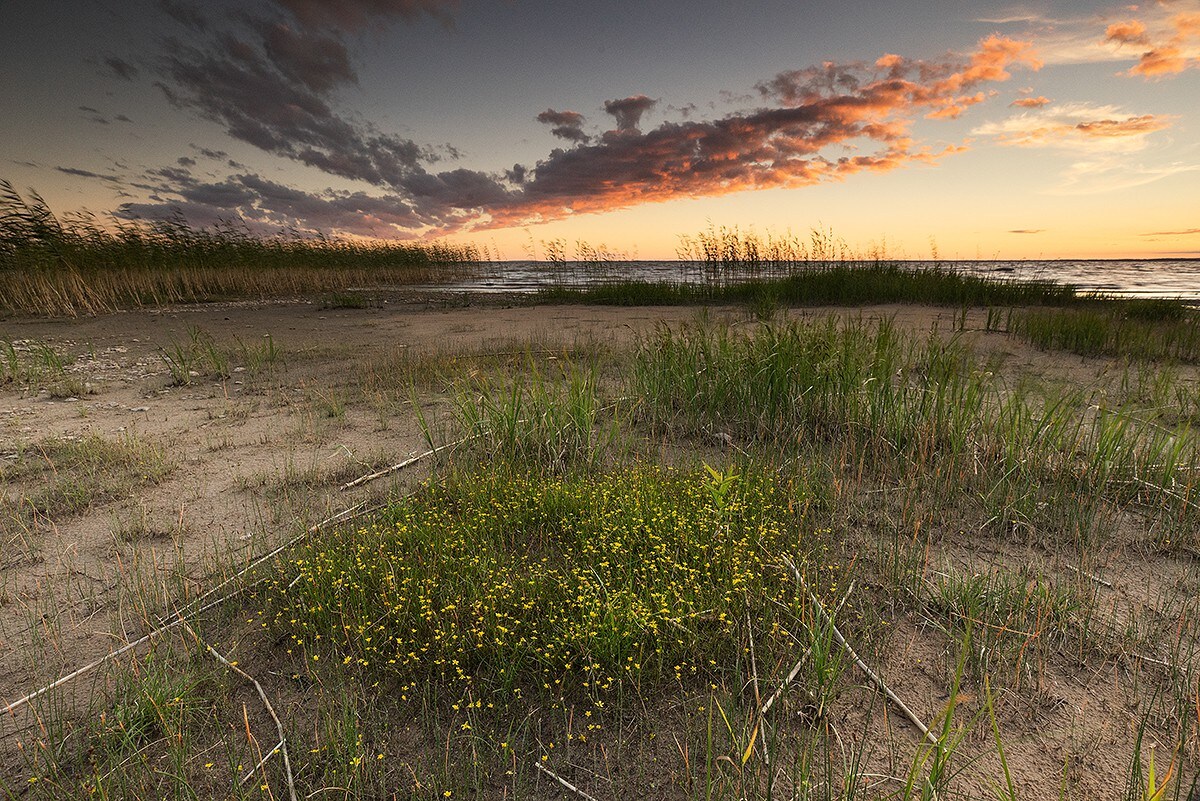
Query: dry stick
[757,698]
[878,682]
[791,676]
[389,470]
[246,779]
[1088,575]
[283,749]
[401,465]
[164,625]
[563,781]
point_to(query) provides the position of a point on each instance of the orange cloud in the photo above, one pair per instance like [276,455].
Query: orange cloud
[1187,24]
[823,123]
[828,106]
[1030,102]
[1130,126]
[1128,32]
[1164,57]
[1164,60]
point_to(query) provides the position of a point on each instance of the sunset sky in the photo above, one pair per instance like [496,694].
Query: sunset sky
[1047,129]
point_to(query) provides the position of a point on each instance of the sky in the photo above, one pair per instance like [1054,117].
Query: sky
[951,129]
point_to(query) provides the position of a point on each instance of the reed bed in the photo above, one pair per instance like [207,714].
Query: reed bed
[829,284]
[52,266]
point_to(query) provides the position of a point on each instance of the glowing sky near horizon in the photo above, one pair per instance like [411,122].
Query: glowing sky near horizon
[1044,130]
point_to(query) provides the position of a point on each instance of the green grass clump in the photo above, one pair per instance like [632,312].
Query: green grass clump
[832,284]
[826,380]
[30,366]
[501,585]
[1146,330]
[897,406]
[545,422]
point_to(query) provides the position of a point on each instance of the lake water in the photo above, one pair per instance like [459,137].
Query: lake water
[1147,278]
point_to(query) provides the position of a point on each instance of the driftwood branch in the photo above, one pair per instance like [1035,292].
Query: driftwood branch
[389,470]
[870,674]
[563,782]
[262,694]
[411,460]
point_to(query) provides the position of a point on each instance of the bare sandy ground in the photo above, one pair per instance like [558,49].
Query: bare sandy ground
[256,458]
[253,459]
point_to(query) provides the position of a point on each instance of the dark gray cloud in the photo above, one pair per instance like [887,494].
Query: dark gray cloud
[185,161]
[122,118]
[313,60]
[564,124]
[236,85]
[121,68]
[78,173]
[268,207]
[628,111]
[185,15]
[94,115]
[209,153]
[353,15]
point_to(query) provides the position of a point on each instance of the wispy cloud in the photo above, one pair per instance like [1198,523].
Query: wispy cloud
[1027,231]
[1077,126]
[1112,174]
[120,68]
[1163,38]
[1187,232]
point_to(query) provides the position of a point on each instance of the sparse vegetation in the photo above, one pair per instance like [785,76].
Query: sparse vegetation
[48,481]
[557,596]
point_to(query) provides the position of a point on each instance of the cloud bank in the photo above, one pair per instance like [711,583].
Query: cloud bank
[272,82]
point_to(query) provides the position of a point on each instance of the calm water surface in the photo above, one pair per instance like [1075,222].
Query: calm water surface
[1158,278]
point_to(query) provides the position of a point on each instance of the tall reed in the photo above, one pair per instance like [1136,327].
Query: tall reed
[78,265]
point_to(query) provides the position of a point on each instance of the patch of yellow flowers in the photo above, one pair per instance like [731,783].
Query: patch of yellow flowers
[515,584]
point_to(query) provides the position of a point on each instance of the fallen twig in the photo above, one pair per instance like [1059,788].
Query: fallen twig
[878,682]
[262,694]
[1088,575]
[563,781]
[791,676]
[757,699]
[387,471]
